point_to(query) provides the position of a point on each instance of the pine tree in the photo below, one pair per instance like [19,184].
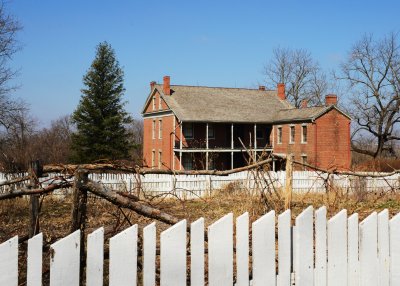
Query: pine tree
[100,117]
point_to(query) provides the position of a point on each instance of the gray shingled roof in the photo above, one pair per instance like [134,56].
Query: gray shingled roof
[237,105]
[217,104]
[300,113]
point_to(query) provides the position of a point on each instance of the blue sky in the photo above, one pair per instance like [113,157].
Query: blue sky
[214,43]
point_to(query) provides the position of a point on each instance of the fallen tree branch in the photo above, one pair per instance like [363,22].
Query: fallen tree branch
[124,202]
[111,168]
[41,191]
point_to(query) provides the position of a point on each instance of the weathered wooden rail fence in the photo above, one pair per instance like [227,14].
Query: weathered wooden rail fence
[339,251]
[199,185]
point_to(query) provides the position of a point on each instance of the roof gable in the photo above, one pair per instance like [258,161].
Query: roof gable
[236,105]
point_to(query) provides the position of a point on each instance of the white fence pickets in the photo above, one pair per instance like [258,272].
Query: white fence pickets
[242,250]
[304,254]
[394,237]
[337,249]
[192,186]
[346,253]
[220,252]
[95,258]
[383,248]
[320,247]
[173,255]
[64,260]
[353,264]
[35,257]
[149,252]
[368,251]
[284,248]
[123,257]
[197,252]
[9,262]
[263,242]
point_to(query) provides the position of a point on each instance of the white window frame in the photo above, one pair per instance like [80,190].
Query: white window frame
[154,103]
[159,103]
[160,129]
[279,135]
[292,135]
[304,127]
[183,131]
[153,129]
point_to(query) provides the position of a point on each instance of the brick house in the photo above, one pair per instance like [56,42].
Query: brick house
[196,127]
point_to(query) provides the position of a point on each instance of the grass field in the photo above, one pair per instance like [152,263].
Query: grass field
[55,216]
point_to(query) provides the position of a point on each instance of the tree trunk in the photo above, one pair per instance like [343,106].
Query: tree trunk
[78,216]
[35,171]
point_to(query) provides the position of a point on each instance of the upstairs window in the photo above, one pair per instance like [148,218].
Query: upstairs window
[279,135]
[160,129]
[159,103]
[154,103]
[304,134]
[188,130]
[153,130]
[292,134]
[211,134]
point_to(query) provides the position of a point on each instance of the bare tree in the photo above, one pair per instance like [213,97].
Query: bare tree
[372,71]
[52,145]
[9,108]
[135,129]
[300,73]
[15,142]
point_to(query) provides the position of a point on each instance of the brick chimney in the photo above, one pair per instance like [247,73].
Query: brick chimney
[281,91]
[166,85]
[261,87]
[152,84]
[330,99]
[304,103]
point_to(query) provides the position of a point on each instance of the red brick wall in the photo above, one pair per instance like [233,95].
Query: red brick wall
[333,141]
[297,148]
[164,145]
[328,141]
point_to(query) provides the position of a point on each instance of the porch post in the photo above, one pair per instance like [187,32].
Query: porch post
[206,146]
[232,146]
[255,142]
[180,147]
[173,145]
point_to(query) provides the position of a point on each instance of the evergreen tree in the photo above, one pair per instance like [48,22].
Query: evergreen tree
[100,117]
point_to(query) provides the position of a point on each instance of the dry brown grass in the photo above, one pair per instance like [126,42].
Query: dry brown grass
[56,212]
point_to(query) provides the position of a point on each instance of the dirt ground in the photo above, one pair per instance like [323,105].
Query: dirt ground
[56,212]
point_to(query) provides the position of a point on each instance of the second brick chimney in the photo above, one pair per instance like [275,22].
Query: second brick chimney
[152,84]
[330,99]
[281,91]
[166,85]
[261,87]
[304,103]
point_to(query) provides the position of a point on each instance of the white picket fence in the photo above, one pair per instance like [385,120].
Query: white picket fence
[190,186]
[340,251]
[199,185]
